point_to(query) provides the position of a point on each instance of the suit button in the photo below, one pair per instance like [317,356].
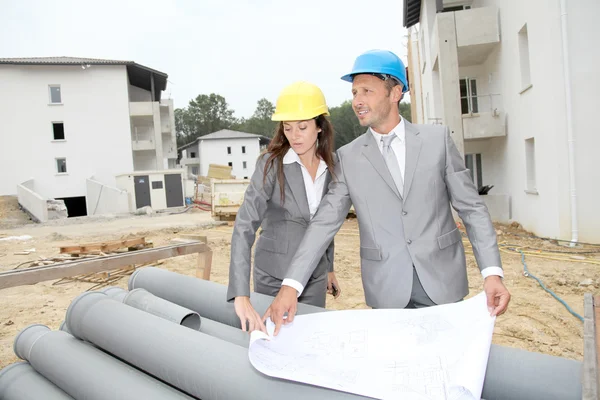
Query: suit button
[409,241]
[404,213]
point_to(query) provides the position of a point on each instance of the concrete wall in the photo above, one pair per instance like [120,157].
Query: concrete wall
[104,199]
[31,201]
[538,111]
[145,161]
[214,151]
[139,94]
[95,114]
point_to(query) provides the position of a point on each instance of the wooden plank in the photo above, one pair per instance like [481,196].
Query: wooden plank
[204,265]
[34,275]
[108,246]
[219,171]
[590,349]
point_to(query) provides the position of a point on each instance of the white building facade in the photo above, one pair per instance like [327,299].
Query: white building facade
[239,150]
[69,120]
[516,83]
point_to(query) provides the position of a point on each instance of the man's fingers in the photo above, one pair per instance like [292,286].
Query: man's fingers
[277,326]
[502,304]
[267,314]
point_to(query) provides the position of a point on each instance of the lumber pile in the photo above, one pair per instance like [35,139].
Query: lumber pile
[77,252]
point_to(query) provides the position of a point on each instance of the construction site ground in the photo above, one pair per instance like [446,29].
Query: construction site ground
[535,320]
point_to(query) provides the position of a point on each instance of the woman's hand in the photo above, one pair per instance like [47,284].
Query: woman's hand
[333,287]
[247,314]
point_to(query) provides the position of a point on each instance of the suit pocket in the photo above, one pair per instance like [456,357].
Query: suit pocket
[449,238]
[370,253]
[272,245]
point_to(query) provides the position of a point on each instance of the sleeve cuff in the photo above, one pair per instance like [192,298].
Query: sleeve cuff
[489,271]
[293,283]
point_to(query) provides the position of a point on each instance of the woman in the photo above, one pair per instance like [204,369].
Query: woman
[285,190]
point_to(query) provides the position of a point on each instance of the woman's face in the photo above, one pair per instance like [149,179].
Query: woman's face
[302,135]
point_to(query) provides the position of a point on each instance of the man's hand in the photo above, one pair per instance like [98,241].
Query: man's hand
[333,287]
[285,301]
[247,313]
[497,295]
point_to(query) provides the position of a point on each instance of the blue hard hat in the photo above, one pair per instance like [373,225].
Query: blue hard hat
[379,62]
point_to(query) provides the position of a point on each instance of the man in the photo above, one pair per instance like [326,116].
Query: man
[402,179]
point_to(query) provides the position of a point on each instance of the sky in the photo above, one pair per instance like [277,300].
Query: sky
[243,50]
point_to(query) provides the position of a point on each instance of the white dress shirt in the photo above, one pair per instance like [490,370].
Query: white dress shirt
[314,192]
[399,146]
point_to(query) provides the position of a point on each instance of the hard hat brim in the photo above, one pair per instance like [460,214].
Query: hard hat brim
[350,77]
[293,116]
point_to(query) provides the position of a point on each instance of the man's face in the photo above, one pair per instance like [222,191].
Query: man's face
[371,102]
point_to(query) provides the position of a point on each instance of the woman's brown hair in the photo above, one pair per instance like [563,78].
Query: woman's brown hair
[279,146]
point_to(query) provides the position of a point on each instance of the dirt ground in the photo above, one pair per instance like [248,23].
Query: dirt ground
[535,321]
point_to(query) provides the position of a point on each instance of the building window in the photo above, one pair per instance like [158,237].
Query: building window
[61,165]
[456,8]
[245,177]
[524,58]
[193,154]
[228,150]
[244,165]
[58,129]
[55,96]
[473,164]
[468,96]
[195,170]
[244,151]
[230,164]
[530,164]
[157,185]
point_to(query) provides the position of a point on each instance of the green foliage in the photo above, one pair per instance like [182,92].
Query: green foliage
[210,113]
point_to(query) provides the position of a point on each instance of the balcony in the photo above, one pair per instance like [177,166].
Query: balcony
[483,117]
[476,31]
[166,128]
[142,138]
[142,145]
[139,108]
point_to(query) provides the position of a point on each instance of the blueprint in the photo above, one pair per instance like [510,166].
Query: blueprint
[431,353]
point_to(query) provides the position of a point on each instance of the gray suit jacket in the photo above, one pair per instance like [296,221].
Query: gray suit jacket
[397,230]
[283,227]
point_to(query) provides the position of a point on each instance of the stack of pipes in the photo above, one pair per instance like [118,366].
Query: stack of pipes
[172,336]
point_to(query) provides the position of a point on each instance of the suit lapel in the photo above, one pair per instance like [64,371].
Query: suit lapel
[413,149]
[295,181]
[371,151]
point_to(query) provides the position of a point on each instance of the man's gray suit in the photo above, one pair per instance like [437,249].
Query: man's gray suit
[397,231]
[283,227]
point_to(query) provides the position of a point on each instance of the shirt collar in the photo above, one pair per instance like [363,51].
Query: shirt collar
[291,157]
[399,130]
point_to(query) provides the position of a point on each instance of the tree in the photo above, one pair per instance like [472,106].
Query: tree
[203,115]
[345,124]
[405,111]
[260,123]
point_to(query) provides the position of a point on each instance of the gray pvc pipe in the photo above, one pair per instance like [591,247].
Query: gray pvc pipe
[201,365]
[19,381]
[205,297]
[63,327]
[146,301]
[85,372]
[514,374]
[225,332]
[115,292]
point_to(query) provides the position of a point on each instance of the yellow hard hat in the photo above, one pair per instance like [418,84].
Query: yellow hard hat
[300,101]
